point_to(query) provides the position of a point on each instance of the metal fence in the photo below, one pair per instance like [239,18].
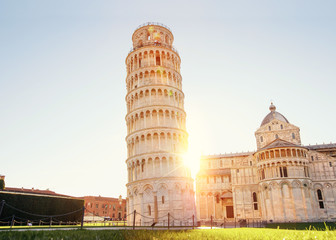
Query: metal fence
[136,220]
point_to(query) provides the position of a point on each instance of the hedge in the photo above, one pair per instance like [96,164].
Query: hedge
[41,205]
[2,184]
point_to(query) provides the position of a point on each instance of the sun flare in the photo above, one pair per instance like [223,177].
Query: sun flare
[192,160]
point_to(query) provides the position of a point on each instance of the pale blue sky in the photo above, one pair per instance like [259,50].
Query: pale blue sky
[62,81]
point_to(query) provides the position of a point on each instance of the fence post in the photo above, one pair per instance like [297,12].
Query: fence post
[193,221]
[12,223]
[168,220]
[134,219]
[82,222]
[224,223]
[2,205]
[235,223]
[50,223]
[211,221]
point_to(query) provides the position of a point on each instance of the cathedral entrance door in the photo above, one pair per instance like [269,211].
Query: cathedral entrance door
[229,212]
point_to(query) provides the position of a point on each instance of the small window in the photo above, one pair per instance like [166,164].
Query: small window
[283,172]
[255,201]
[269,128]
[293,135]
[262,174]
[320,198]
[255,197]
[330,164]
[250,163]
[306,171]
[319,194]
[276,136]
[281,126]
[237,170]
[163,200]
[312,158]
[149,210]
[321,204]
[261,139]
[158,63]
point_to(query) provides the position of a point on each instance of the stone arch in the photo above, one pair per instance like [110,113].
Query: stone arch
[318,186]
[147,186]
[135,191]
[296,184]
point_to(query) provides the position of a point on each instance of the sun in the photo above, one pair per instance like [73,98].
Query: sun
[191,160]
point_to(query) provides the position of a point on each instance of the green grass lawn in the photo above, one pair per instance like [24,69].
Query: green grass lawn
[87,225]
[242,233]
[303,226]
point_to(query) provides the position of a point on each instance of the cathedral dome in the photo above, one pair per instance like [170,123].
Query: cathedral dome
[273,115]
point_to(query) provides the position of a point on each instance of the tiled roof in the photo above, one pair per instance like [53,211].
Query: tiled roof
[278,143]
[241,154]
[224,171]
[34,191]
[321,146]
[100,198]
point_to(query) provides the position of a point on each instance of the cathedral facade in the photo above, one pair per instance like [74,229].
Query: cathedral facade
[158,182]
[283,181]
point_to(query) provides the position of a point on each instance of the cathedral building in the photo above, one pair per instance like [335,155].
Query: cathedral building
[158,181]
[283,181]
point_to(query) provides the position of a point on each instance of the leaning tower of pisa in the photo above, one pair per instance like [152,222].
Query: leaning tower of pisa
[158,181]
